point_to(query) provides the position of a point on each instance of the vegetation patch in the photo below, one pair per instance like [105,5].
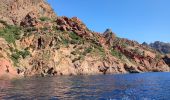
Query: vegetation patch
[87,50]
[76,59]
[31,29]
[75,39]
[16,55]
[158,56]
[11,33]
[46,55]
[64,41]
[139,52]
[99,50]
[44,19]
[116,53]
[44,28]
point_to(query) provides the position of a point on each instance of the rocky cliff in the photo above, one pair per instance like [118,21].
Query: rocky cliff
[161,47]
[13,11]
[34,41]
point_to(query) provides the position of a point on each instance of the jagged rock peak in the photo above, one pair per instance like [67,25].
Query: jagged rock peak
[16,10]
[110,36]
[108,31]
[145,44]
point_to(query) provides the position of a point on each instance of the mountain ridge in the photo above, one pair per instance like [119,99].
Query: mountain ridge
[161,47]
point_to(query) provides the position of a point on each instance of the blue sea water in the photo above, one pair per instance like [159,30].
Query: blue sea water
[145,86]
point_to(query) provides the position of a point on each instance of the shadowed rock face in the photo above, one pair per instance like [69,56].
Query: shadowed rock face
[167,59]
[39,43]
[161,47]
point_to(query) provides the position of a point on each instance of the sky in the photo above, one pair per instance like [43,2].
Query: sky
[140,20]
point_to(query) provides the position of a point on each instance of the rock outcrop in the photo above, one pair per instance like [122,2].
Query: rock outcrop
[74,24]
[161,47]
[7,70]
[109,36]
[35,41]
[16,10]
[166,58]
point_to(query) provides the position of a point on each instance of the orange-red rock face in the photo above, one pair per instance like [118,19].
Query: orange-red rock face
[74,24]
[7,70]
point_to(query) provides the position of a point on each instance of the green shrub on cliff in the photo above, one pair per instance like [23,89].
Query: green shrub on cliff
[75,39]
[44,28]
[16,55]
[64,41]
[87,50]
[11,33]
[98,47]
[24,53]
[30,29]
[44,18]
[116,53]
[99,50]
[138,51]
[74,36]
[158,56]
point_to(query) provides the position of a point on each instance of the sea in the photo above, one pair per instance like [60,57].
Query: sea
[143,86]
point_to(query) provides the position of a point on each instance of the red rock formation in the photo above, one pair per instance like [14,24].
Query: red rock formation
[74,25]
[7,70]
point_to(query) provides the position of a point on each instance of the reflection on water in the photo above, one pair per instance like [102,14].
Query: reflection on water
[148,86]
